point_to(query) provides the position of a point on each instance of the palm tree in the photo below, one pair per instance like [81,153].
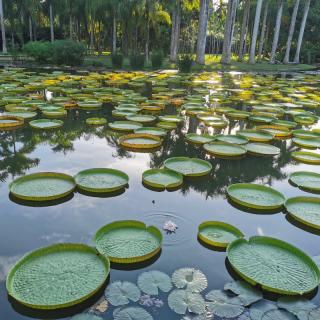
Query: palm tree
[51,21]
[3,31]
[302,27]
[263,30]
[255,32]
[244,28]
[202,31]
[276,33]
[228,31]
[175,31]
[291,31]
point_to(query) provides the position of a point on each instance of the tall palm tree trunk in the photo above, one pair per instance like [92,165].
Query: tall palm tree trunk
[51,22]
[3,30]
[202,31]
[228,31]
[30,29]
[114,33]
[276,33]
[263,31]
[244,28]
[301,33]
[175,31]
[291,31]
[255,32]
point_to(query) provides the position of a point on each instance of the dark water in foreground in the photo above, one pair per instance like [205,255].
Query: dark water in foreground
[78,146]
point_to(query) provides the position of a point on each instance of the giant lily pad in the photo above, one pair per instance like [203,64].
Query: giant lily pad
[305,209]
[191,279]
[224,149]
[162,178]
[128,241]
[305,134]
[42,186]
[188,166]
[234,139]
[289,271]
[255,196]
[57,276]
[171,118]
[256,135]
[151,282]
[218,234]
[142,118]
[131,313]
[182,300]
[152,130]
[307,180]
[125,125]
[96,121]
[26,115]
[101,180]
[199,138]
[140,141]
[8,122]
[306,157]
[46,124]
[262,149]
[122,292]
[312,143]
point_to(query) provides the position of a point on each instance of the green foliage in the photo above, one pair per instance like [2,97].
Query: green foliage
[68,52]
[185,62]
[137,61]
[41,51]
[117,60]
[157,59]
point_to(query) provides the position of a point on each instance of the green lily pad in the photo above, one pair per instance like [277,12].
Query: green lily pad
[296,305]
[305,209]
[162,178]
[289,271]
[96,121]
[312,143]
[42,186]
[246,293]
[278,315]
[255,196]
[152,130]
[199,138]
[224,149]
[54,113]
[258,309]
[128,241]
[262,149]
[224,306]
[20,114]
[218,234]
[171,118]
[306,157]
[261,119]
[307,180]
[125,125]
[46,124]
[190,279]
[234,139]
[140,141]
[131,313]
[86,316]
[151,282]
[305,134]
[284,123]
[167,125]
[182,300]
[255,135]
[188,166]
[122,292]
[142,118]
[57,276]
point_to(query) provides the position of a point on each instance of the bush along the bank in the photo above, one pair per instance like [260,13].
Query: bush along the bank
[117,60]
[157,59]
[137,61]
[185,62]
[60,52]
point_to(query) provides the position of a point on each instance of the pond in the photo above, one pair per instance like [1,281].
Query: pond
[76,146]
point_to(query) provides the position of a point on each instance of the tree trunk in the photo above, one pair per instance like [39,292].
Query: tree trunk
[255,32]
[228,31]
[244,28]
[147,41]
[291,31]
[125,39]
[51,23]
[276,33]
[3,31]
[302,27]
[263,30]
[114,34]
[202,31]
[70,27]
[30,29]
[175,31]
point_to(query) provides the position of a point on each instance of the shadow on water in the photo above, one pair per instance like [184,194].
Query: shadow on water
[35,204]
[302,226]
[103,194]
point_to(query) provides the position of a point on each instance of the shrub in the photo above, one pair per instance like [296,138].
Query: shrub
[117,60]
[93,63]
[137,61]
[185,62]
[157,59]
[68,52]
[41,51]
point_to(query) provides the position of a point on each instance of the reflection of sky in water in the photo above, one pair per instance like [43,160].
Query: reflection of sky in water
[25,228]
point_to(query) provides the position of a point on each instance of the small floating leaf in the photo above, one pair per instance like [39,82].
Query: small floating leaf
[150,282]
[278,315]
[295,305]
[86,316]
[119,293]
[182,300]
[258,309]
[191,279]
[131,313]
